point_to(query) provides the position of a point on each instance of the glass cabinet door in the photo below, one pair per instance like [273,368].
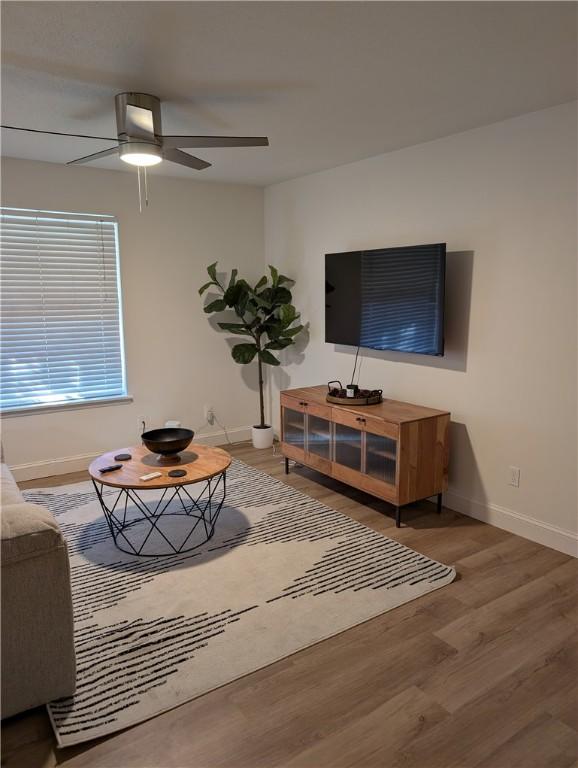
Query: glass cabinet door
[294,428]
[348,446]
[380,457]
[319,436]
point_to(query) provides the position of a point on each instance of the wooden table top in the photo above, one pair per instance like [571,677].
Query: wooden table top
[200,462]
[394,411]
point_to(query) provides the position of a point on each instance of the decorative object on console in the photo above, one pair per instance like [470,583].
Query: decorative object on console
[168,442]
[396,451]
[266,316]
[340,396]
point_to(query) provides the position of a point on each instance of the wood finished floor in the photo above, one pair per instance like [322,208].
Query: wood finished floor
[480,674]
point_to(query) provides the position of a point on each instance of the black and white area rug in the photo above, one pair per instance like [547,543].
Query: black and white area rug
[281,572]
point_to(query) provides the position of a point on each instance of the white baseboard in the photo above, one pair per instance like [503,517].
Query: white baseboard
[61,466]
[523,525]
[236,435]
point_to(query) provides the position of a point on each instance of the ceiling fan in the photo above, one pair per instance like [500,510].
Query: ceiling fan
[142,144]
[140,139]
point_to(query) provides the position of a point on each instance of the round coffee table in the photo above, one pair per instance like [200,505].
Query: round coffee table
[174,520]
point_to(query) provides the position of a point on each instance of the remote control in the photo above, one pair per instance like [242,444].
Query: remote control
[151,475]
[110,468]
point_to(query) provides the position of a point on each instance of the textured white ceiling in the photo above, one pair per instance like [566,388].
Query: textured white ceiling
[328,82]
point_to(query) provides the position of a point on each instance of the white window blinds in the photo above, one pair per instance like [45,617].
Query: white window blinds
[61,336]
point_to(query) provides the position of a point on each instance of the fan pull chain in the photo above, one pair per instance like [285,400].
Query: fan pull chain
[143,185]
[139,190]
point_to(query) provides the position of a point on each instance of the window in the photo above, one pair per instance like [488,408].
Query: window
[61,339]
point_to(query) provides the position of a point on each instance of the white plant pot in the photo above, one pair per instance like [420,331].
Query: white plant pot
[262,437]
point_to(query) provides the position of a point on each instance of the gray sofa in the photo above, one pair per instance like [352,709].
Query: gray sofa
[38,663]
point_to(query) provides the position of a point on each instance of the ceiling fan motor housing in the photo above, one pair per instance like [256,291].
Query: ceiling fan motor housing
[138,117]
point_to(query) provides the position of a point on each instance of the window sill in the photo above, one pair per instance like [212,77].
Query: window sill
[70,406]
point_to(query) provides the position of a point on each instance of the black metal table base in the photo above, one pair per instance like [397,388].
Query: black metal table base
[132,521]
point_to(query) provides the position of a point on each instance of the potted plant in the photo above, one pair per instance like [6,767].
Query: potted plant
[266,315]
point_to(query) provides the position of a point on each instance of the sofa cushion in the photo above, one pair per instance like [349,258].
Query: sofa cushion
[27,531]
[10,493]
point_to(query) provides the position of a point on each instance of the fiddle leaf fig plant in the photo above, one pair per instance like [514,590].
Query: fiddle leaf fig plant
[264,314]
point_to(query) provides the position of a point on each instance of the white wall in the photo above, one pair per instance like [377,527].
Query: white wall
[176,362]
[503,197]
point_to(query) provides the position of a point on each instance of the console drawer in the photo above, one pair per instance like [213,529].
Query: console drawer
[346,418]
[367,423]
[295,403]
[380,427]
[306,406]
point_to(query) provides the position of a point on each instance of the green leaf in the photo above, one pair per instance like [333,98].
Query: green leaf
[279,344]
[233,294]
[216,306]
[268,358]
[234,274]
[261,300]
[282,296]
[204,287]
[239,329]
[273,327]
[292,331]
[274,276]
[284,279]
[267,294]
[244,353]
[261,283]
[241,306]
[212,270]
[287,313]
[241,291]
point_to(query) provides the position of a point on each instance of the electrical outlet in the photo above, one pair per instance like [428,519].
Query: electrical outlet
[209,414]
[142,422]
[514,477]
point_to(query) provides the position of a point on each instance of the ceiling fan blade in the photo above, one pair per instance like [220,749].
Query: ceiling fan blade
[183,158]
[58,133]
[196,142]
[95,156]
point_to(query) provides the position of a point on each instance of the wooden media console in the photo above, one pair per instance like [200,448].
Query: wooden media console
[396,451]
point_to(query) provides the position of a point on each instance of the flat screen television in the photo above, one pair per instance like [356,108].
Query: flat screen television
[387,298]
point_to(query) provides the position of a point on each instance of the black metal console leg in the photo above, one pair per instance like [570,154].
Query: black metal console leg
[439,504]
[397,517]
[286,466]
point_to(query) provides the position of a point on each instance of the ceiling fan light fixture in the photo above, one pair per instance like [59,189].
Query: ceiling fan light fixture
[141,154]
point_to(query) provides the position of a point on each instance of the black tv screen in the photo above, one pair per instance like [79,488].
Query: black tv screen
[387,298]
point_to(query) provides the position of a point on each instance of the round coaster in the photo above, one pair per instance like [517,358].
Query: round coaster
[122,457]
[177,473]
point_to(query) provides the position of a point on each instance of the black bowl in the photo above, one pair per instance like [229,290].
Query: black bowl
[167,441]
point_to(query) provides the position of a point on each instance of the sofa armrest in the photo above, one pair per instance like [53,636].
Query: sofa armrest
[38,661]
[27,530]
